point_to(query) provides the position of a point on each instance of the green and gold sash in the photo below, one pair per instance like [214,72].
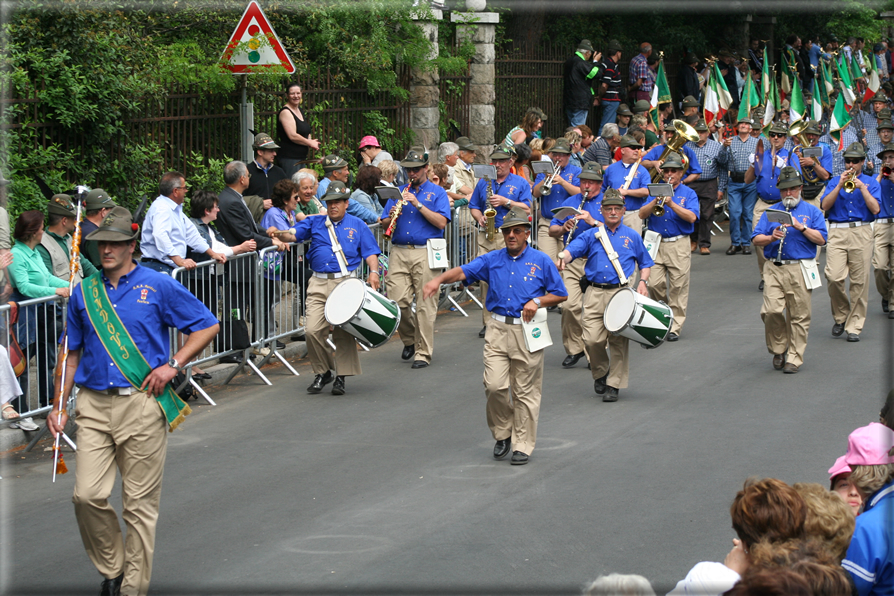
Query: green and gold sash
[122,349]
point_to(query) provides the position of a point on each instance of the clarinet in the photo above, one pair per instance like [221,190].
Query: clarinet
[778,260]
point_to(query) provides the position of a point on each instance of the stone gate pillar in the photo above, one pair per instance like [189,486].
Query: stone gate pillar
[480,28]
[424,91]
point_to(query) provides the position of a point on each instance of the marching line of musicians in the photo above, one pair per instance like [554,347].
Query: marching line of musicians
[622,247]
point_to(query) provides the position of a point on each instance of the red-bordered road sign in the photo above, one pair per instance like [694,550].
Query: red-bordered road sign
[254,46]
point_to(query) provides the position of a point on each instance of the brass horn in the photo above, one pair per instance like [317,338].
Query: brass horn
[683,133]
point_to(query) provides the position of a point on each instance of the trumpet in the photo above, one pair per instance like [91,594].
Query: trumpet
[886,172]
[658,209]
[849,177]
[490,214]
[548,182]
[683,133]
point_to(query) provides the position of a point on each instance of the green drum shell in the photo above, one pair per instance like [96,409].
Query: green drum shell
[648,322]
[373,321]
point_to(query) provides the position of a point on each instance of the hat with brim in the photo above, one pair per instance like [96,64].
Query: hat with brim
[623,110]
[336,191]
[812,129]
[641,106]
[585,46]
[501,152]
[61,205]
[669,127]
[789,177]
[592,170]
[855,150]
[673,161]
[416,158]
[870,446]
[263,141]
[884,124]
[690,102]
[877,98]
[839,467]
[516,217]
[691,59]
[117,226]
[745,120]
[332,163]
[779,128]
[368,141]
[612,197]
[465,144]
[887,148]
[701,126]
[98,199]
[613,46]
[884,114]
[561,146]
[630,141]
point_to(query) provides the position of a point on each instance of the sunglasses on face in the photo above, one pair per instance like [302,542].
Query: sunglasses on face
[414,170]
[776,135]
[852,161]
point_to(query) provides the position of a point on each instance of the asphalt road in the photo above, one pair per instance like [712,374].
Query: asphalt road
[392,487]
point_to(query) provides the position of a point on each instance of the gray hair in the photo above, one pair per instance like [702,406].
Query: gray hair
[610,131]
[169,182]
[446,150]
[300,175]
[616,584]
[233,171]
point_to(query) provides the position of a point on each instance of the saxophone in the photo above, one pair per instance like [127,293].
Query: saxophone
[490,214]
[397,210]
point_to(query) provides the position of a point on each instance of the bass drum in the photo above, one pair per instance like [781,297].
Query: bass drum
[638,317]
[362,312]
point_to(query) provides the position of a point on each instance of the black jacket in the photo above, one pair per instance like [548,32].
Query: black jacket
[261,183]
[578,94]
[688,82]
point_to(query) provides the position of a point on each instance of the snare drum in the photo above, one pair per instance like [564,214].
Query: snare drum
[362,312]
[638,317]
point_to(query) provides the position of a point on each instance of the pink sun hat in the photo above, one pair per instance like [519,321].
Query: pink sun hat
[369,141]
[871,445]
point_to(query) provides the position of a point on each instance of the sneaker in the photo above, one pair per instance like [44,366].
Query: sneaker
[25,424]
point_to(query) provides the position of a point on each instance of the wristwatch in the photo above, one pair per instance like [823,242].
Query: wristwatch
[174,364]
[536,301]
[645,282]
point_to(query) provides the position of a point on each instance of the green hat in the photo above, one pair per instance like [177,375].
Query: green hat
[700,126]
[855,150]
[613,46]
[673,161]
[779,128]
[61,205]
[416,158]
[336,190]
[561,146]
[789,177]
[690,59]
[592,170]
[878,98]
[669,127]
[612,197]
[885,149]
[812,128]
[585,45]
[630,141]
[884,114]
[264,141]
[516,217]
[623,110]
[690,102]
[501,152]
[465,144]
[117,226]
[884,124]
[745,120]
[642,105]
[332,163]
[98,199]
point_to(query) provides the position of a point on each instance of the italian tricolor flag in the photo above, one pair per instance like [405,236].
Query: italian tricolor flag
[717,97]
[872,81]
[840,120]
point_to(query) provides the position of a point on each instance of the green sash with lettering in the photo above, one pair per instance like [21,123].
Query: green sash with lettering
[122,349]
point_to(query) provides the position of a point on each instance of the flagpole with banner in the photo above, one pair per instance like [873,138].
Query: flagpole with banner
[840,120]
[796,103]
[660,93]
[717,96]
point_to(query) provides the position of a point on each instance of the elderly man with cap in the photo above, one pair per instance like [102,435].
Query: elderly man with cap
[883,255]
[849,251]
[55,244]
[463,177]
[423,217]
[371,152]
[167,231]
[690,107]
[507,191]
[97,205]
[263,173]
[607,353]
[630,179]
[884,135]
[521,281]
[709,187]
[787,249]
[126,405]
[334,168]
[642,78]
[564,183]
[670,273]
[815,172]
[332,260]
[610,88]
[742,195]
[579,71]
[566,229]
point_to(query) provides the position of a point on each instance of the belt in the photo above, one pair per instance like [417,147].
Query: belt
[737,176]
[789,262]
[338,275]
[705,180]
[847,224]
[144,259]
[410,246]
[587,282]
[885,219]
[674,238]
[507,320]
[116,391]
[769,202]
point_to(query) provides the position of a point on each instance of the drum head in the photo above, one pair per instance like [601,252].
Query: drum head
[619,310]
[345,301]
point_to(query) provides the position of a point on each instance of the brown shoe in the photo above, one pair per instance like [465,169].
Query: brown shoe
[693,245]
[705,250]
[790,369]
[778,361]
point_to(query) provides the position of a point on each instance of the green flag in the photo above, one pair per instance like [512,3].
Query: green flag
[660,94]
[796,103]
[816,104]
[822,75]
[856,73]
[773,104]
[845,82]
[745,104]
[766,80]
[840,119]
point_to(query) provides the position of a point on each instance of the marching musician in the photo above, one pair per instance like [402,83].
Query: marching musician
[814,173]
[566,230]
[602,281]
[508,190]
[849,250]
[522,280]
[423,217]
[883,257]
[632,185]
[670,273]
[652,159]
[766,163]
[565,183]
[786,309]
[334,254]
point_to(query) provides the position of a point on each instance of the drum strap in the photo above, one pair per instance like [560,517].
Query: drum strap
[612,255]
[336,247]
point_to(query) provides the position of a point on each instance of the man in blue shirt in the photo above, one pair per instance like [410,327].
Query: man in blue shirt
[849,251]
[565,230]
[521,281]
[883,257]
[422,218]
[334,168]
[602,282]
[631,179]
[815,173]
[564,184]
[670,273]
[652,159]
[787,248]
[120,425]
[507,191]
[358,244]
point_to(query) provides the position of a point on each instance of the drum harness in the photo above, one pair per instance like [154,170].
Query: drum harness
[336,247]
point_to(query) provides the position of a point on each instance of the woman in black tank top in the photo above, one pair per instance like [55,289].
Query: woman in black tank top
[293,132]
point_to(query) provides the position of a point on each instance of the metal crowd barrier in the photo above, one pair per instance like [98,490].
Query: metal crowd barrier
[283,277]
[462,246]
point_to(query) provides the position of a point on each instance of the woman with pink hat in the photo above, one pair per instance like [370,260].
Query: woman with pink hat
[839,478]
[371,153]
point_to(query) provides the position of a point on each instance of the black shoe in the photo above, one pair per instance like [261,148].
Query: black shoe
[232,359]
[746,250]
[338,387]
[778,361]
[320,381]
[202,376]
[111,587]
[408,352]
[419,364]
[298,337]
[760,286]
[501,448]
[572,360]
[837,329]
[482,332]
[733,250]
[611,394]
[891,314]
[853,337]
[278,345]
[884,305]
[599,385]
[672,337]
[518,458]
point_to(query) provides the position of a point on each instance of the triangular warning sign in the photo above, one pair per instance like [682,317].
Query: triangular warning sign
[254,46]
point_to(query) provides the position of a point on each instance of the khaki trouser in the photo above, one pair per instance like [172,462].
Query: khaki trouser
[484,247]
[346,360]
[669,278]
[883,259]
[126,433]
[572,332]
[848,254]
[633,220]
[546,243]
[613,363]
[759,208]
[785,290]
[508,365]
[408,273]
